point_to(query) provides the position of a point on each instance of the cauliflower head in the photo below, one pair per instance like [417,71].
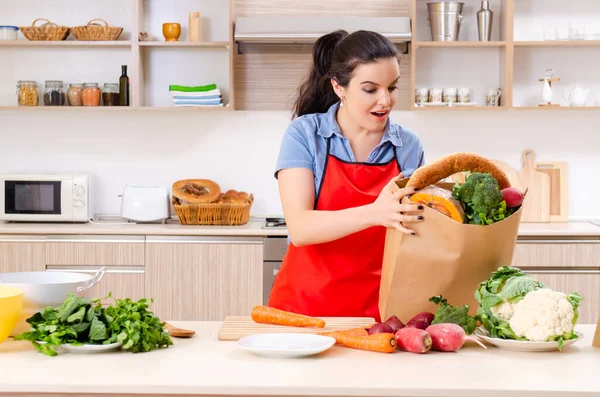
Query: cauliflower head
[503,310]
[515,305]
[543,315]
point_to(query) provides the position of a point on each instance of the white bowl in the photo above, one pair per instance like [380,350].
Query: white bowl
[43,289]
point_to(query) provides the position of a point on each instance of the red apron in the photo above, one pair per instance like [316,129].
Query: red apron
[339,278]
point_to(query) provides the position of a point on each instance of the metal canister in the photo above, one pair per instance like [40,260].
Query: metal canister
[445,19]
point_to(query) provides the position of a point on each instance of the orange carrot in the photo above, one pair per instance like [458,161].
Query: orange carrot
[350,332]
[383,342]
[270,315]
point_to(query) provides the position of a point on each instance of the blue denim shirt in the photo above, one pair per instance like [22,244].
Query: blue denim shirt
[304,145]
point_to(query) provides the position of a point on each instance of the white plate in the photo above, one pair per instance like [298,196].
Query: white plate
[286,345]
[523,346]
[88,348]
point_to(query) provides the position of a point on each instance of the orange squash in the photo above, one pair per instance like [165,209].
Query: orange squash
[440,200]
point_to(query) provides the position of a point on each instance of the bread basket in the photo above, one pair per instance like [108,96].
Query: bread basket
[96,32]
[231,208]
[47,32]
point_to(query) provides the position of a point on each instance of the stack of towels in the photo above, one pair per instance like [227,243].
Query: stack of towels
[205,95]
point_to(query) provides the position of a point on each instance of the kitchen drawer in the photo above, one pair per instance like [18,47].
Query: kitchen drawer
[585,282]
[95,250]
[22,254]
[549,253]
[122,281]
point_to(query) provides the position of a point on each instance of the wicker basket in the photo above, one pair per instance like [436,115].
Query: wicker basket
[223,214]
[47,32]
[96,32]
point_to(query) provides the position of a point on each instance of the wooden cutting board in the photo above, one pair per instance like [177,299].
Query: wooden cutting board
[510,172]
[596,341]
[536,206]
[236,327]
[559,190]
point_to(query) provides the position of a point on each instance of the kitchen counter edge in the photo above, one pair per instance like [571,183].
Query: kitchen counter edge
[252,228]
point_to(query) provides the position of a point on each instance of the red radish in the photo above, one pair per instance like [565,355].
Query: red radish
[423,316]
[381,328]
[413,340]
[512,196]
[449,337]
[395,323]
[420,324]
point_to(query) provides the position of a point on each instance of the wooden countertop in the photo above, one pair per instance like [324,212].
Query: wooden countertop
[205,366]
[252,228]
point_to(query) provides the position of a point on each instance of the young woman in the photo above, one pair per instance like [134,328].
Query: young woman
[338,162]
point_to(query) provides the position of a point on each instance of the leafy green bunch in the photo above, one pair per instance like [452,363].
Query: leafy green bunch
[80,320]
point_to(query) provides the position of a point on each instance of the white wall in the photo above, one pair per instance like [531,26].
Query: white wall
[239,149]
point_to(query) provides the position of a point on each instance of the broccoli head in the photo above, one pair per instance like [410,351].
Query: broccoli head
[446,313]
[480,195]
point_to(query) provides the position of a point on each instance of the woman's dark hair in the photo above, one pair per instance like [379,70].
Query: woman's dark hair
[336,55]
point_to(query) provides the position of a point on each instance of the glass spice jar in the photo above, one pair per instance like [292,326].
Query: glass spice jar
[27,93]
[54,94]
[90,95]
[74,94]
[110,94]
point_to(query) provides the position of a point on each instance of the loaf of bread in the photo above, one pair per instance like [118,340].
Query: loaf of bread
[458,162]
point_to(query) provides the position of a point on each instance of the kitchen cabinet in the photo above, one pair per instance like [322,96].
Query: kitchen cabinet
[557,253]
[123,256]
[89,250]
[22,253]
[586,282]
[204,278]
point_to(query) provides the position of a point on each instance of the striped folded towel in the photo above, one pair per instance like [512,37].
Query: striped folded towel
[199,98]
[195,94]
[185,88]
[212,102]
[198,105]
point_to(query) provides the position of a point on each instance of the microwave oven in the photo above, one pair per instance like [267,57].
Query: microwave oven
[45,198]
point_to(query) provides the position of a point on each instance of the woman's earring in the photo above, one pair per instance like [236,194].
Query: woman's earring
[341,102]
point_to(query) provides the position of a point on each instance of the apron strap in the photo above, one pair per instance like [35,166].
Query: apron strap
[318,192]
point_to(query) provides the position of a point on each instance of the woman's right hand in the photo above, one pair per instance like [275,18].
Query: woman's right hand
[388,211]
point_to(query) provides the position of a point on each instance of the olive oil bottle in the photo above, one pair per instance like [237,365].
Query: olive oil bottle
[124,87]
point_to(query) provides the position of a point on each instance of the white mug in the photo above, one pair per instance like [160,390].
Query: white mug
[435,95]
[421,95]
[449,95]
[464,95]
[492,97]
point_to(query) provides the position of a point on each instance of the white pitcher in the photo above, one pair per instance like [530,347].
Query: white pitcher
[576,97]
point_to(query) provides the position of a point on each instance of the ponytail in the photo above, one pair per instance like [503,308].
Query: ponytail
[316,94]
[335,56]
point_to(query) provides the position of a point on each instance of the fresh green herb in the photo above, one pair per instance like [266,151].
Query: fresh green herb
[446,313]
[79,321]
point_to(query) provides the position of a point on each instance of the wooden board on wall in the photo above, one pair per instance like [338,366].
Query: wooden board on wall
[267,76]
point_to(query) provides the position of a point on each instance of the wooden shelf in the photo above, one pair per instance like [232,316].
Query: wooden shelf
[180,44]
[114,108]
[461,108]
[458,44]
[558,108]
[65,43]
[559,43]
[68,108]
[185,108]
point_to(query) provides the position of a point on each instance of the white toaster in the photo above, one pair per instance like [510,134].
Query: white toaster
[145,203]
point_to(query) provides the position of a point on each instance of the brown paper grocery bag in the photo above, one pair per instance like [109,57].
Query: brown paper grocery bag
[445,257]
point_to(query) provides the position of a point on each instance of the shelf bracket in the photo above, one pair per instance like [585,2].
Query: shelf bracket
[239,48]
